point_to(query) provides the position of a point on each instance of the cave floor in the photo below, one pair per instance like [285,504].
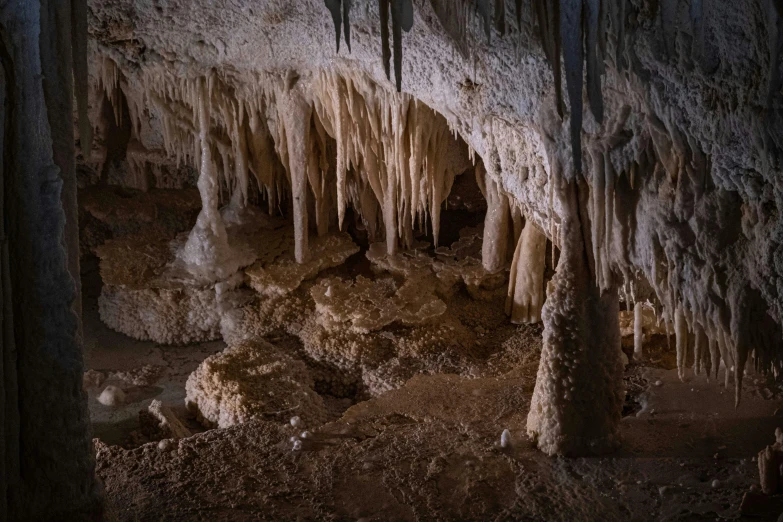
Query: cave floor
[430,451]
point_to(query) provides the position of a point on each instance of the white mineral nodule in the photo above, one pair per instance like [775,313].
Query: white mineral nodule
[505,439]
[112,396]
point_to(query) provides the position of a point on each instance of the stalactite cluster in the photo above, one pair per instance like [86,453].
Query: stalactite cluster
[337,138]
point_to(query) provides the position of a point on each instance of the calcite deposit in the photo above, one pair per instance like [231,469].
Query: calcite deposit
[252,381]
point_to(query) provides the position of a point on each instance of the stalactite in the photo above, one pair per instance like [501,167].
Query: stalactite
[340,11]
[384,6]
[518,4]
[80,72]
[402,20]
[681,333]
[335,8]
[347,22]
[620,30]
[573,57]
[483,8]
[594,58]
[500,16]
[496,227]
[547,14]
[526,282]
[698,348]
[399,145]
[775,42]
[668,11]
[697,24]
[638,329]
[109,78]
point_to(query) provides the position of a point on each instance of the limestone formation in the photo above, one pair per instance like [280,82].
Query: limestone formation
[253,380]
[280,176]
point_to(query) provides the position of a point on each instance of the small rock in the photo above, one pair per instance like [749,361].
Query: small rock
[166,445]
[112,396]
[659,383]
[715,483]
[296,422]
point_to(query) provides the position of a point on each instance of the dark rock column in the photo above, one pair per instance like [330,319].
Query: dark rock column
[47,457]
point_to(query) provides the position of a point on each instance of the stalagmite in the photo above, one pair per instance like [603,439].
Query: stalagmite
[577,401]
[770,462]
[526,281]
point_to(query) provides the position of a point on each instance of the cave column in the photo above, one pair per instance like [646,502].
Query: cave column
[207,250]
[46,454]
[297,115]
[577,402]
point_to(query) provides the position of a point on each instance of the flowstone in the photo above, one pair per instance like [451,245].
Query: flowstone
[149,295]
[367,305]
[253,380]
[278,273]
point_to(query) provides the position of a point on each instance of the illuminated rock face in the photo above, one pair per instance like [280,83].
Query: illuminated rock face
[673,170]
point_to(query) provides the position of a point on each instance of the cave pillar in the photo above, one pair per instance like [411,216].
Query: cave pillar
[577,401]
[207,248]
[46,453]
[298,114]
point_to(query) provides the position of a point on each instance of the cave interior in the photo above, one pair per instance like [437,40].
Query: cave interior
[391,260]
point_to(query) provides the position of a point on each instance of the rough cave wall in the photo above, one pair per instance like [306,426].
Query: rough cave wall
[683,174]
[46,458]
